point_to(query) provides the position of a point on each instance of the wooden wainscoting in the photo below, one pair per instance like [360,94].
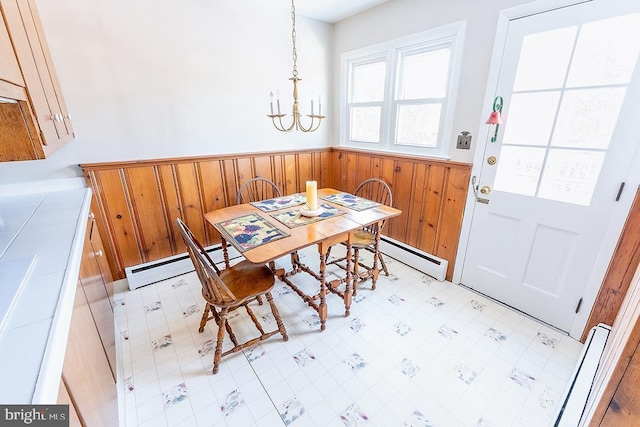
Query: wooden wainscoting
[431,194]
[139,201]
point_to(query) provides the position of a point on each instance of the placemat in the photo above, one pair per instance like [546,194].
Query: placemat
[350,201]
[278,203]
[293,218]
[249,231]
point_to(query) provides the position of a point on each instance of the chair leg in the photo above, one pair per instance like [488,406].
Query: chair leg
[221,329]
[276,315]
[205,317]
[384,266]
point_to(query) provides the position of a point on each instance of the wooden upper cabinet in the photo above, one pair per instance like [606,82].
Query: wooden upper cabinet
[9,69]
[48,111]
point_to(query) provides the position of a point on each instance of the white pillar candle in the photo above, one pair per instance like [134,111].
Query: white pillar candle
[312,195]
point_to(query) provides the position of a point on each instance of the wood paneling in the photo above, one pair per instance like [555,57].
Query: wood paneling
[139,201]
[624,262]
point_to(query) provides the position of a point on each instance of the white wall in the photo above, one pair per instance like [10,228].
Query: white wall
[398,18]
[160,78]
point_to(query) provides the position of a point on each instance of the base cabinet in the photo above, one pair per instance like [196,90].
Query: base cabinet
[88,375]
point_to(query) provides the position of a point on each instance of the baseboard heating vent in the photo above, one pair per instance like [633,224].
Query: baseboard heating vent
[573,402]
[161,269]
[422,261]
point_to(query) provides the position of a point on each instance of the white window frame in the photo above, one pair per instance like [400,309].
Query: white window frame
[390,52]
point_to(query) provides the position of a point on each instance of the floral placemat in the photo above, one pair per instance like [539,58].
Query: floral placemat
[293,218]
[350,201]
[249,231]
[278,203]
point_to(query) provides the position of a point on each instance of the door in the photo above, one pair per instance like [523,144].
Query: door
[547,187]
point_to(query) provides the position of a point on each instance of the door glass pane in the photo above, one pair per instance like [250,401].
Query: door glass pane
[418,124]
[365,124]
[519,169]
[587,117]
[530,118]
[368,82]
[424,75]
[571,175]
[544,59]
[606,52]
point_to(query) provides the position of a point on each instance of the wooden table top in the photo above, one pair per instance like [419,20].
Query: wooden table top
[305,235]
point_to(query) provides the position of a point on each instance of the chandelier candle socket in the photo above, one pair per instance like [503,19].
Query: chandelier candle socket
[296,124]
[312,195]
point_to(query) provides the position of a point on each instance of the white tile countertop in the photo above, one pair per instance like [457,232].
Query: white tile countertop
[41,240]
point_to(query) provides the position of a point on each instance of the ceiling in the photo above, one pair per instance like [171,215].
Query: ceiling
[332,10]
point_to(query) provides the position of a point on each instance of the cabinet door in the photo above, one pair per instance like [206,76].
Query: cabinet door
[9,70]
[65,399]
[86,372]
[27,35]
[97,295]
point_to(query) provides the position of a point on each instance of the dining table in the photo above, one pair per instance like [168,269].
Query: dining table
[267,230]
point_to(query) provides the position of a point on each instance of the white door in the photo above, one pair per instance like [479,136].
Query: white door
[571,123]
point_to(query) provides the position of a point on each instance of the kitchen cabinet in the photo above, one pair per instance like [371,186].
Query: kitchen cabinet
[47,112]
[9,69]
[89,371]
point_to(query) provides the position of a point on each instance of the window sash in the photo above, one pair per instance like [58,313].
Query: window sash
[394,53]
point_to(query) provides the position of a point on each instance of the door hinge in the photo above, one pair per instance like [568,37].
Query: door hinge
[579,304]
[620,191]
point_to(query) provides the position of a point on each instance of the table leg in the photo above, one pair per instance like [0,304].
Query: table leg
[225,252]
[322,307]
[376,247]
[348,290]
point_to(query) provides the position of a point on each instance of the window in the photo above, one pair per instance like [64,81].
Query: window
[398,96]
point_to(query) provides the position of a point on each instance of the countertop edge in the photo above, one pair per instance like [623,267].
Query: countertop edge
[48,383]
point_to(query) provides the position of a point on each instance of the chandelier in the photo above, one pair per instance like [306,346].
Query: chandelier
[296,124]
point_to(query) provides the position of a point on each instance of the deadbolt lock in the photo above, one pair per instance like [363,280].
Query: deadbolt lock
[485,189]
[492,160]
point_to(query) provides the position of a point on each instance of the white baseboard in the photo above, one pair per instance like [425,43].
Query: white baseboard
[420,260]
[156,271]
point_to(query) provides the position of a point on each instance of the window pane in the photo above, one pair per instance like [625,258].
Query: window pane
[544,59]
[424,75]
[531,117]
[365,124]
[588,117]
[519,169]
[418,124]
[368,82]
[606,52]
[571,176]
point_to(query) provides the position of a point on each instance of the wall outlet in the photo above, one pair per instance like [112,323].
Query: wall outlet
[464,141]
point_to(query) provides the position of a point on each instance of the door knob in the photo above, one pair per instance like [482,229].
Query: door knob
[492,160]
[485,189]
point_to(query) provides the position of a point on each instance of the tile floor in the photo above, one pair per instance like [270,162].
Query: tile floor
[414,352]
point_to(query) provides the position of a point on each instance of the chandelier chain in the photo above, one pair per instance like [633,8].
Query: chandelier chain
[293,39]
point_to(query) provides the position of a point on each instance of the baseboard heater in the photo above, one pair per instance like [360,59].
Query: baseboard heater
[158,270]
[572,405]
[413,257]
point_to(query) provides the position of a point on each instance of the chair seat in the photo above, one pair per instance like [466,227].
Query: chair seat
[362,239]
[247,280]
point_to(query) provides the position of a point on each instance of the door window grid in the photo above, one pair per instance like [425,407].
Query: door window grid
[557,135]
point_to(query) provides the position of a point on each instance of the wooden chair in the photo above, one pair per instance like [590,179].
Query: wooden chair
[366,238]
[226,290]
[257,189]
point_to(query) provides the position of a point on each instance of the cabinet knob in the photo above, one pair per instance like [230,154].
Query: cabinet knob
[91,215]
[99,253]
